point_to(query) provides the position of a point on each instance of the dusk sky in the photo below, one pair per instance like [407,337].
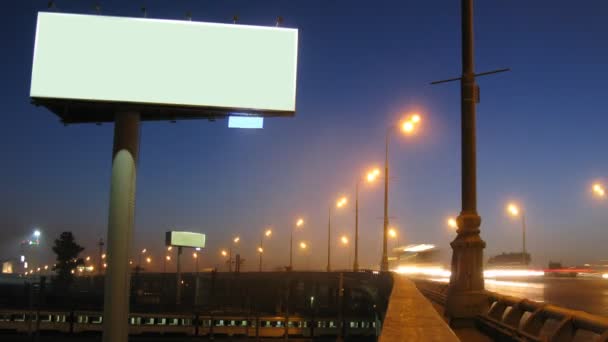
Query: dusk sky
[362,65]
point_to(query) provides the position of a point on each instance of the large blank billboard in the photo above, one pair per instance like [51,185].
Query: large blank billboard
[185,239]
[197,68]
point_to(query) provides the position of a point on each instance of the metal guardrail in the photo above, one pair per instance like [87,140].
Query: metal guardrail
[519,319]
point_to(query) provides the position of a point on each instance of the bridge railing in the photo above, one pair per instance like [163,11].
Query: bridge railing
[523,319]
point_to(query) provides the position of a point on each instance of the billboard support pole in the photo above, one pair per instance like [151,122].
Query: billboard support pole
[178,289]
[120,226]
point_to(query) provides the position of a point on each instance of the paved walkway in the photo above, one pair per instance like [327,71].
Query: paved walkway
[411,317]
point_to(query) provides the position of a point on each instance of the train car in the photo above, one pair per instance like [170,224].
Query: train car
[24,321]
[272,326]
[231,326]
[14,321]
[87,322]
[161,324]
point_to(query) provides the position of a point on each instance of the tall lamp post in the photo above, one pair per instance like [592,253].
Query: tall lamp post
[235,241]
[371,176]
[299,223]
[303,247]
[407,126]
[267,234]
[515,211]
[339,204]
[344,241]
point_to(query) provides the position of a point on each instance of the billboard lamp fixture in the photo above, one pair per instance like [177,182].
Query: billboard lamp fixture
[279,21]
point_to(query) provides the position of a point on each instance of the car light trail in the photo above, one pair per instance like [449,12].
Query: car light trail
[437,271]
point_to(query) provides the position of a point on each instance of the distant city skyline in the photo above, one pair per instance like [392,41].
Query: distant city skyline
[362,66]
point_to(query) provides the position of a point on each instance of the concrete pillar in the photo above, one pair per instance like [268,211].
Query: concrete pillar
[120,227]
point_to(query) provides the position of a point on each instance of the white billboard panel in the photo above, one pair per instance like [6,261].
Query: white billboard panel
[223,67]
[185,239]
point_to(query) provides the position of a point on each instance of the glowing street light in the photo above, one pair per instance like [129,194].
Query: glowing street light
[344,240]
[303,245]
[195,256]
[452,222]
[36,233]
[373,175]
[148,260]
[167,259]
[103,256]
[224,253]
[599,190]
[169,248]
[408,127]
[299,223]
[515,211]
[392,233]
[268,234]
[341,202]
[235,240]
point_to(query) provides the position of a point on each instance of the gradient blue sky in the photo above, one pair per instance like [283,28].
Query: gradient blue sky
[541,134]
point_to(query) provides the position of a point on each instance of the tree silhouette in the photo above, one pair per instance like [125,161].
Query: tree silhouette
[67,251]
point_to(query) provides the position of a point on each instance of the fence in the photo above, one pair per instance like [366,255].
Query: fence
[516,319]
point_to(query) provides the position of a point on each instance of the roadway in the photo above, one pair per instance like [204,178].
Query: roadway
[580,293]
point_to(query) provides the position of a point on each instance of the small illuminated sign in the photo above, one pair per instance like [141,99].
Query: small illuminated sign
[245,122]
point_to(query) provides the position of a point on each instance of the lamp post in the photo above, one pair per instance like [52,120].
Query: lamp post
[466,297]
[344,241]
[299,223]
[303,248]
[143,251]
[371,176]
[235,241]
[407,126]
[167,258]
[515,211]
[339,204]
[392,233]
[267,234]
[224,253]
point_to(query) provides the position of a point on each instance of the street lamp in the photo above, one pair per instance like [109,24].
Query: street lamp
[515,211]
[408,127]
[340,203]
[344,241]
[143,251]
[392,233]
[371,177]
[195,256]
[451,222]
[304,247]
[299,223]
[235,240]
[599,190]
[267,234]
[167,259]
